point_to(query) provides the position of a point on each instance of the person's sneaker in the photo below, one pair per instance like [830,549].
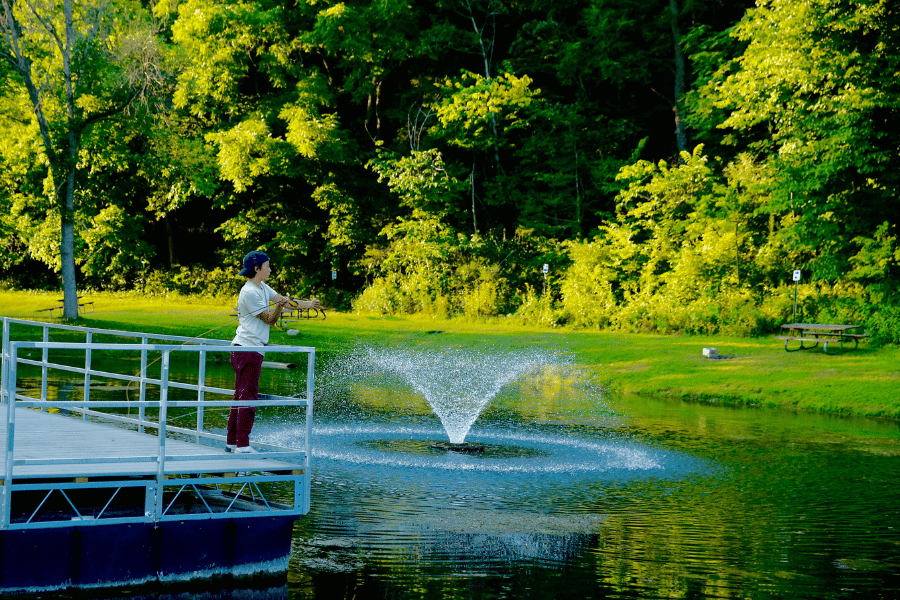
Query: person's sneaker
[245,450]
[230,447]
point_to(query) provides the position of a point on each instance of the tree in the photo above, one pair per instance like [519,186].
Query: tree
[813,96]
[76,64]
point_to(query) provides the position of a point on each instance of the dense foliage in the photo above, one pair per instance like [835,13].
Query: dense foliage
[671,161]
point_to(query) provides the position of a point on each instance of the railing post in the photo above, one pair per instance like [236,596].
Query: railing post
[9,387]
[163,415]
[89,339]
[4,357]
[201,381]
[7,466]
[310,393]
[45,357]
[142,412]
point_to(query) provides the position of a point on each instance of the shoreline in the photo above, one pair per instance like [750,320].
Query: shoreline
[861,382]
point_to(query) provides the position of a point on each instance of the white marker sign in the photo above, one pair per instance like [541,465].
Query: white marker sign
[546,268]
[796,275]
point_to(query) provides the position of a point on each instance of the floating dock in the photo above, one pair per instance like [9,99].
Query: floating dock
[94,498]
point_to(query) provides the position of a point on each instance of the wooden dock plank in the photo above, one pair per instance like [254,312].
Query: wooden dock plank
[53,436]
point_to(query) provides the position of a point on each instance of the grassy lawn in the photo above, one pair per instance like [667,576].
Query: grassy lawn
[757,371]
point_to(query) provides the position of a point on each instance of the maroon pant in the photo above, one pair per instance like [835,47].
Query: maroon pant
[247,369]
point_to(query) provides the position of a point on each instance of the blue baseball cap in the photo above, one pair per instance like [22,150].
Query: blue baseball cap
[251,261]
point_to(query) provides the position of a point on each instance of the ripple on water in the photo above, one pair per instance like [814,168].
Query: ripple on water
[404,447]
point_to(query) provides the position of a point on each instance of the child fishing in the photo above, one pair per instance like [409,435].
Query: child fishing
[255,320]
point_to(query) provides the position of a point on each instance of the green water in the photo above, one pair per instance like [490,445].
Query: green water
[588,496]
[744,503]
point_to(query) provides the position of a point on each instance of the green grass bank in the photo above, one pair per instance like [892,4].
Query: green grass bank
[757,371]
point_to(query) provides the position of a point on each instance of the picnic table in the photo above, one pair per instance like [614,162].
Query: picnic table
[296,314]
[820,332]
[293,314]
[82,304]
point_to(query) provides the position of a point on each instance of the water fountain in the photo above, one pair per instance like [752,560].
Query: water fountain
[384,485]
[458,384]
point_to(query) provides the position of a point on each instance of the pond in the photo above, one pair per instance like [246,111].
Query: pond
[596,496]
[584,494]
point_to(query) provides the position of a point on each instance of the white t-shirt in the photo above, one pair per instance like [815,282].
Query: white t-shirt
[253,300]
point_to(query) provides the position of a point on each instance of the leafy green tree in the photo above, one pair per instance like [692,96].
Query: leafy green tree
[815,96]
[666,204]
[420,180]
[76,65]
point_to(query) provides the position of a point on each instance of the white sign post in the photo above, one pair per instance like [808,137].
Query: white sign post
[796,282]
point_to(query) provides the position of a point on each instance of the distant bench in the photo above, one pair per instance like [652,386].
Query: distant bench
[296,314]
[292,314]
[820,332]
[61,308]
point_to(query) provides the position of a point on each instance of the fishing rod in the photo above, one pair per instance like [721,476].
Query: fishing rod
[234,318]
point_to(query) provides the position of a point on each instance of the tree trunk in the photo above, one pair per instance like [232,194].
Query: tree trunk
[372,107]
[67,214]
[487,56]
[737,250]
[578,207]
[67,248]
[472,188]
[680,134]
[170,238]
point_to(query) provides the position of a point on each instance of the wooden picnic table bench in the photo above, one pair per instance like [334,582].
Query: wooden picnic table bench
[82,305]
[820,332]
[292,314]
[295,314]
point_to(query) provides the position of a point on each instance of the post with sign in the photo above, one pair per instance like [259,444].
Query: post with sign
[796,282]
[546,270]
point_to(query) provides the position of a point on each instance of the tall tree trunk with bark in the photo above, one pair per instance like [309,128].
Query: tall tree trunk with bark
[170,239]
[67,248]
[472,190]
[678,109]
[487,53]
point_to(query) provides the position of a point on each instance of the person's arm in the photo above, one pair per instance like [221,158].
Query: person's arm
[270,317]
[302,304]
[264,313]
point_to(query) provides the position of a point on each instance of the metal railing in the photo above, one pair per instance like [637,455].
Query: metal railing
[217,493]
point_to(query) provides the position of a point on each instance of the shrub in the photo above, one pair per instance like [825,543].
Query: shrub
[883,326]
[379,298]
[587,295]
[537,309]
[187,281]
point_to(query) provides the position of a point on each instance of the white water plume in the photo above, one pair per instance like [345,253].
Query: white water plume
[458,384]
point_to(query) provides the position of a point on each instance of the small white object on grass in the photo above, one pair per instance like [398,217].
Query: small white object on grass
[293,331]
[711,352]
